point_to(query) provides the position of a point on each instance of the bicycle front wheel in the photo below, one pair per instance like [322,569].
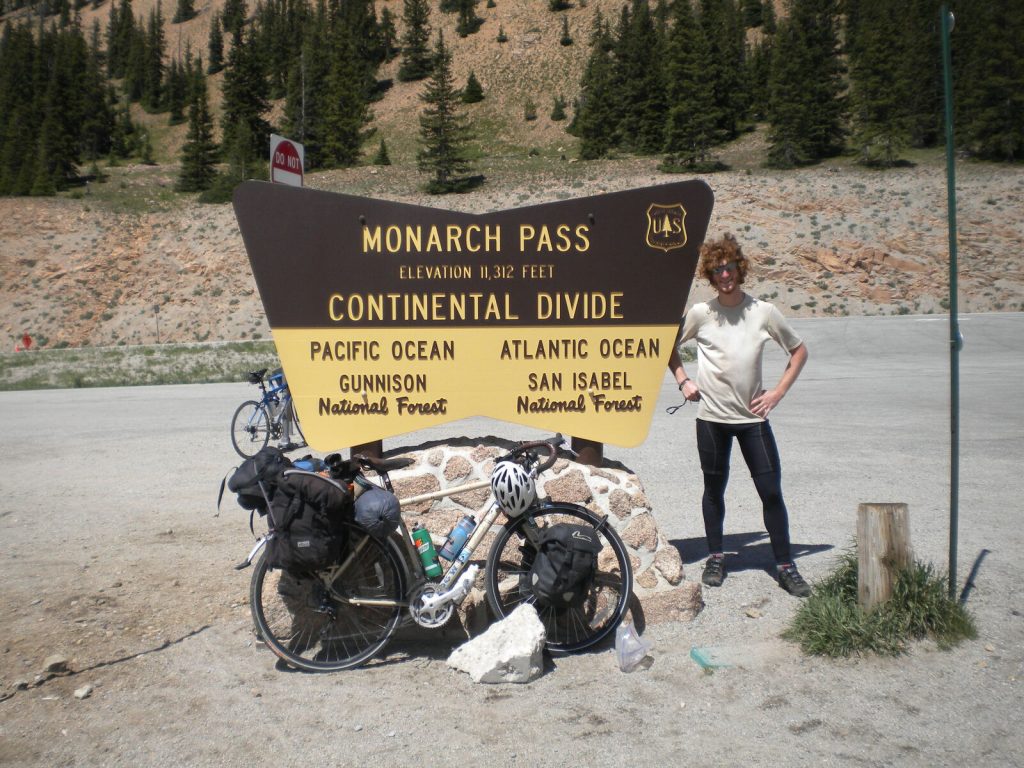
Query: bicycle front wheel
[333,619]
[250,429]
[577,627]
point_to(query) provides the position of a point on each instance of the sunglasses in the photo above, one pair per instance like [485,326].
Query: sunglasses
[730,268]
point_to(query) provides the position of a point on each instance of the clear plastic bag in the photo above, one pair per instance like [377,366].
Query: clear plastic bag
[630,648]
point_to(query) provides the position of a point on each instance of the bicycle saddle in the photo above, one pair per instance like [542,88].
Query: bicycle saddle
[384,465]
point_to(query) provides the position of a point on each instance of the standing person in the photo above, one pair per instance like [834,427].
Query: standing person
[731,331]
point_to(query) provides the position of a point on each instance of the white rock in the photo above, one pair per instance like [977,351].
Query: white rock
[511,651]
[84,692]
[55,663]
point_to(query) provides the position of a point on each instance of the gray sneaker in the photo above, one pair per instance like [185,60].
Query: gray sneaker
[791,581]
[714,572]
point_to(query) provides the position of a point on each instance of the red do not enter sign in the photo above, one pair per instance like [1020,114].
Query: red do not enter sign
[285,161]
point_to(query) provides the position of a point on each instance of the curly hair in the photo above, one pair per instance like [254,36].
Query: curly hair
[723,250]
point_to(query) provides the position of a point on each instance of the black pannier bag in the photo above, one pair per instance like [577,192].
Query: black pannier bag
[565,565]
[264,469]
[307,512]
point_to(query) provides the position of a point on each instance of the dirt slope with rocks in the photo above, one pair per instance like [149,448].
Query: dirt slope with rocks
[828,241]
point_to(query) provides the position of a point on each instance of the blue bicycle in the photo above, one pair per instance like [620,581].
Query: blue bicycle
[273,416]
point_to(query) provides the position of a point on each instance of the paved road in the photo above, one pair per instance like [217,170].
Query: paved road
[868,421]
[111,554]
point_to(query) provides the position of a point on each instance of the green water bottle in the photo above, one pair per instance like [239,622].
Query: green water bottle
[428,553]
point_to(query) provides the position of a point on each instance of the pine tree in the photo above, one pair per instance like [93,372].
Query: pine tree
[388,34]
[722,23]
[758,71]
[232,17]
[640,82]
[596,114]
[922,70]
[473,92]
[416,58]
[146,152]
[879,95]
[346,110]
[789,107]
[769,21]
[121,34]
[752,13]
[989,79]
[382,158]
[18,122]
[307,87]
[134,83]
[558,110]
[806,110]
[153,72]
[566,37]
[176,92]
[215,47]
[199,153]
[245,130]
[445,133]
[690,128]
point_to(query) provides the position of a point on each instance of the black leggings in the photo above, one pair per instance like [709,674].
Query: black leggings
[714,444]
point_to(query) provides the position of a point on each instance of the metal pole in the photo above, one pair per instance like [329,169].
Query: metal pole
[955,339]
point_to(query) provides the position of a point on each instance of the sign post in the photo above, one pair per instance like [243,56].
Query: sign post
[286,161]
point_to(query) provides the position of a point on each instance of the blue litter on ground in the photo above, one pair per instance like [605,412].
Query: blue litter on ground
[710,658]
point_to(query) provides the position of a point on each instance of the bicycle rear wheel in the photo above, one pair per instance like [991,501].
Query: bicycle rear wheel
[250,429]
[573,628]
[316,622]
[296,427]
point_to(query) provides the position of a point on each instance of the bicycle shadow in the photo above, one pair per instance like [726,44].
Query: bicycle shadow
[750,551]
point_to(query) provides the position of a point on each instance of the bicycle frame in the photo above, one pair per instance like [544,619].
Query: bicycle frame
[447,586]
[270,397]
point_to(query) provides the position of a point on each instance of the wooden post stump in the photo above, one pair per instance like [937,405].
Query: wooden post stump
[374,449]
[883,550]
[588,451]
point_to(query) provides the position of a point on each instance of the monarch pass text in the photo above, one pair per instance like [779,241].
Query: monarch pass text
[474,238]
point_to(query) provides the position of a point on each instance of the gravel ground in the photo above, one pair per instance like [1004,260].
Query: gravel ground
[114,558]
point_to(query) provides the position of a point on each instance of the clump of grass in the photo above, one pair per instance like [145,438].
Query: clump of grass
[832,623]
[121,366]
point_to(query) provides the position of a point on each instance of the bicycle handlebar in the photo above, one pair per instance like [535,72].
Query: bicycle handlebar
[550,446]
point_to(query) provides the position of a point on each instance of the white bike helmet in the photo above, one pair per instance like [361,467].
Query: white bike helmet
[513,488]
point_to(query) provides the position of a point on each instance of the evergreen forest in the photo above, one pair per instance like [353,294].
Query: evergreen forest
[673,79]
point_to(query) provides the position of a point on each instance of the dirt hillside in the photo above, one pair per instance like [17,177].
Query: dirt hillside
[829,241]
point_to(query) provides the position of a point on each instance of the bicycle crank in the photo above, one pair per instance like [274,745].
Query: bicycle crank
[427,609]
[431,609]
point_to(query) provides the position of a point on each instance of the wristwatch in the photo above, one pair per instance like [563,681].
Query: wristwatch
[681,383]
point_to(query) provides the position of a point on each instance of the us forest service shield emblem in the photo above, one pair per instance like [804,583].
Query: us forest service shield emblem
[666,226]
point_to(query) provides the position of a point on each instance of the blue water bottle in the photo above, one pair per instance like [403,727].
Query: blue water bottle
[458,537]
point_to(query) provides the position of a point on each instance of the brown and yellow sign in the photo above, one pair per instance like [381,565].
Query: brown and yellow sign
[391,317]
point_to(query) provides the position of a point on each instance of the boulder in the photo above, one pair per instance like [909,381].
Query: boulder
[510,651]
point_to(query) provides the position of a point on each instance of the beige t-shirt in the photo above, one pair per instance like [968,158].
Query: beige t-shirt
[730,341]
